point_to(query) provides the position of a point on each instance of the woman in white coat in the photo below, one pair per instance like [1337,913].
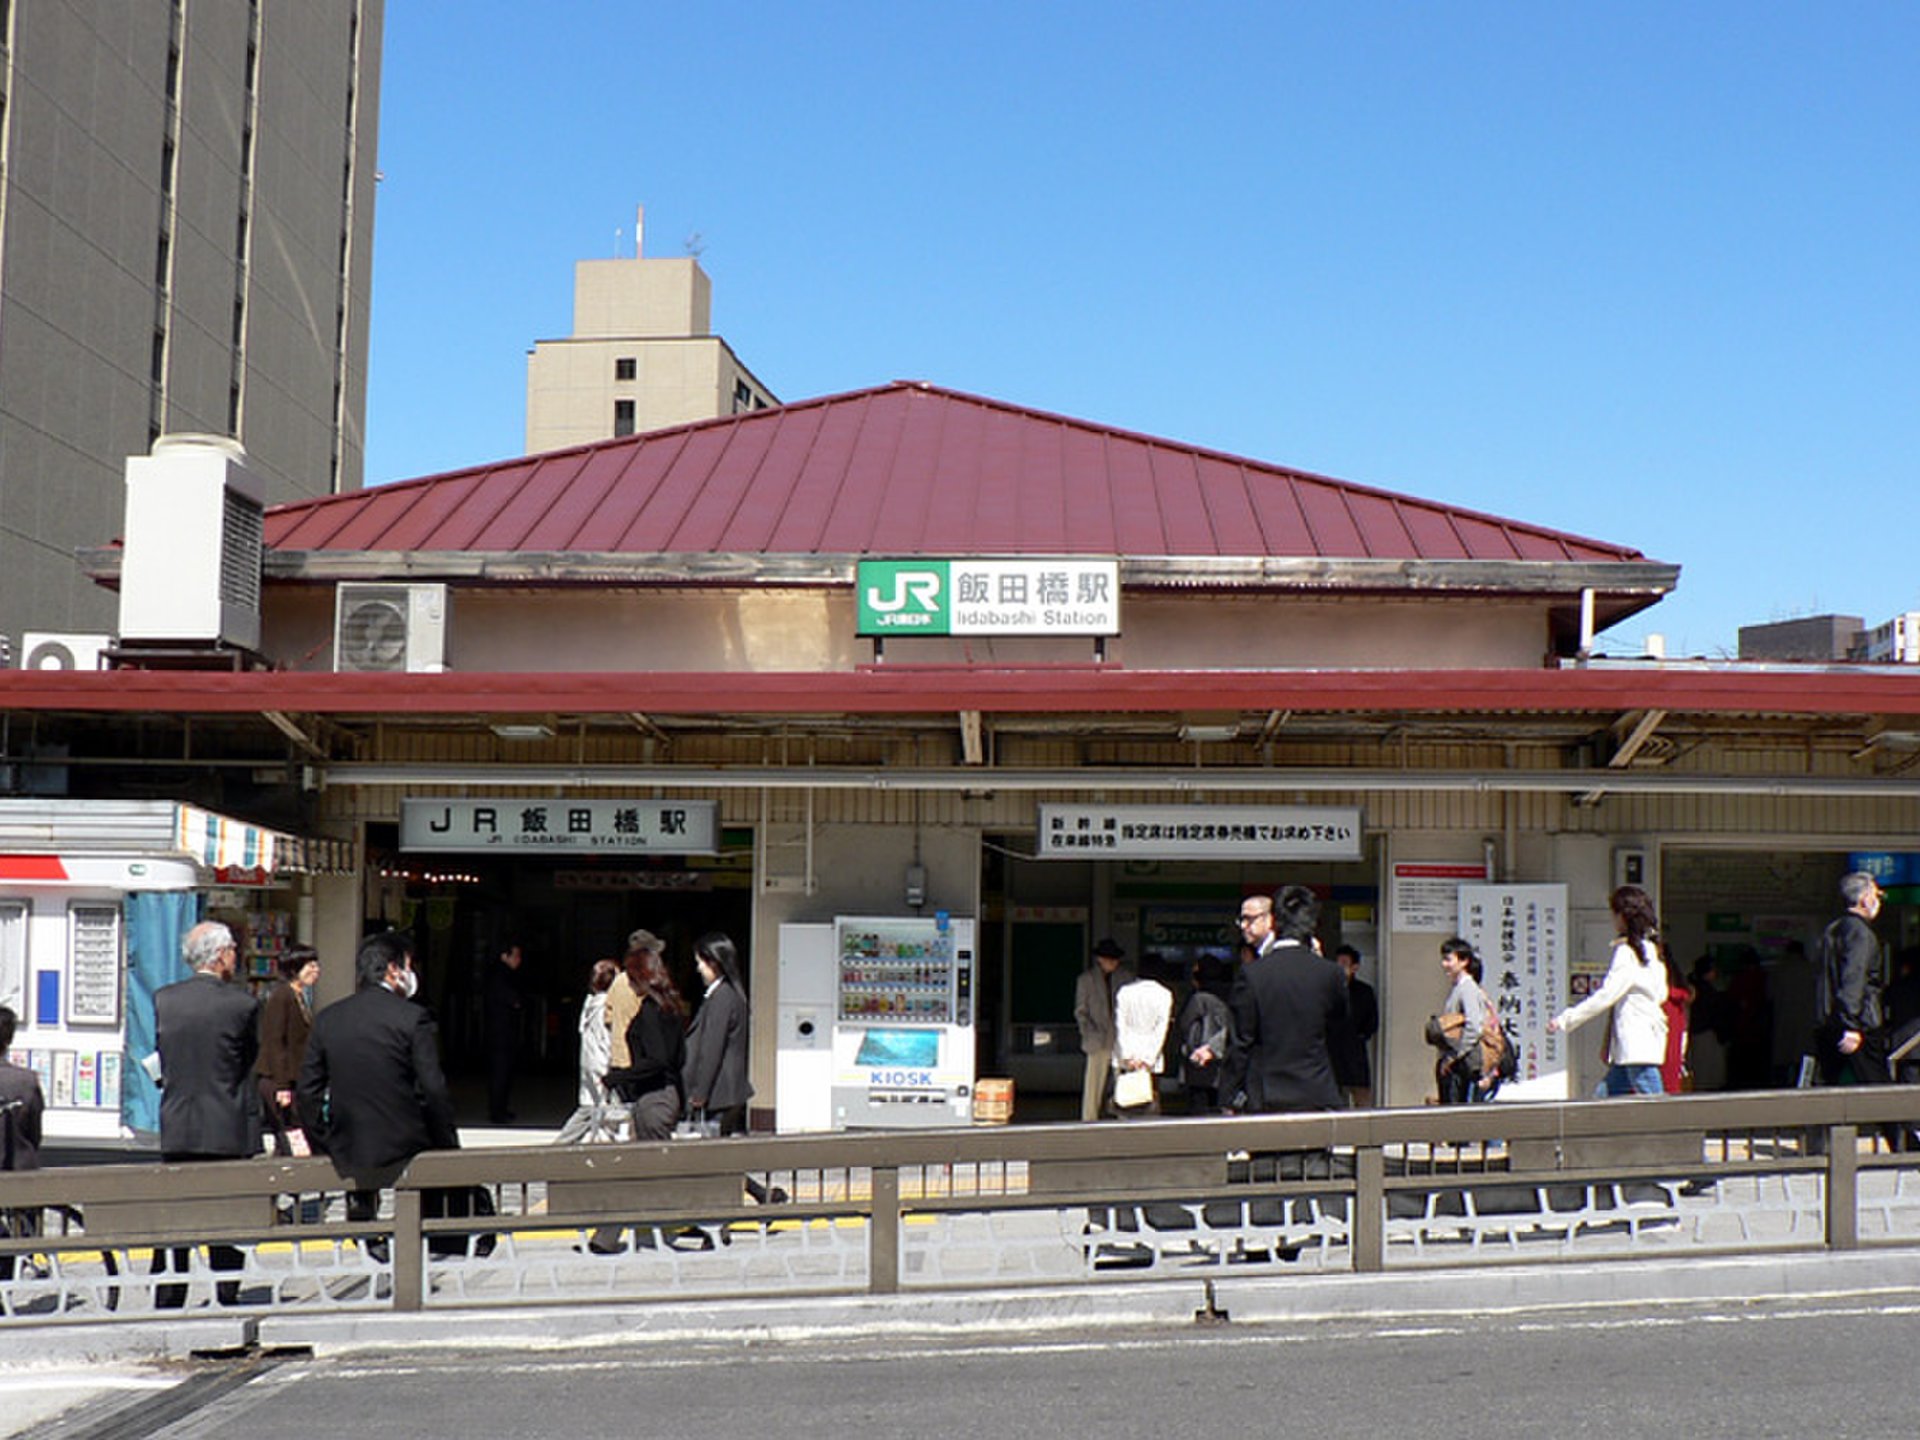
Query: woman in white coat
[595,1117]
[1634,993]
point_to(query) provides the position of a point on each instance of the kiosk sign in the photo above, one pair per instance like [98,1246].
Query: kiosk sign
[989,597]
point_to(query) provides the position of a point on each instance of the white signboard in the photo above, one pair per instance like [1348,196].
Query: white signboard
[988,597]
[665,827]
[1520,934]
[1199,832]
[1426,893]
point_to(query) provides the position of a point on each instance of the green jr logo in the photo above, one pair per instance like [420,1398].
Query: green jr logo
[920,588]
[901,595]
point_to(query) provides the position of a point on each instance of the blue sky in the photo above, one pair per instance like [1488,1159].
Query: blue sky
[1646,272]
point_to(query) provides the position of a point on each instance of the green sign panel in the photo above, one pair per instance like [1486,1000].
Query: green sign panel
[905,597]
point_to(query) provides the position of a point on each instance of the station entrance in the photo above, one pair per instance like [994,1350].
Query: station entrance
[564,912]
[1042,917]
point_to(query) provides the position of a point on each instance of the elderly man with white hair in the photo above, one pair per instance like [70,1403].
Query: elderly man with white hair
[208,1033]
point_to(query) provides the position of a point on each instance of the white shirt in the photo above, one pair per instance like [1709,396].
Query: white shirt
[596,1048]
[1141,1011]
[1634,992]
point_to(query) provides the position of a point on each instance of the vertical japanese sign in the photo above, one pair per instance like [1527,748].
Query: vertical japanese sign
[1520,934]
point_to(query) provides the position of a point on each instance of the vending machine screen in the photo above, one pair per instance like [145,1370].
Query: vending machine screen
[908,1049]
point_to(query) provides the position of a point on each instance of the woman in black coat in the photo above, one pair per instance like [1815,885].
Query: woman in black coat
[716,1071]
[652,1083]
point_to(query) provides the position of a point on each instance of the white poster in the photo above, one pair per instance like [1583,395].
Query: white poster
[1426,893]
[1199,832]
[1520,934]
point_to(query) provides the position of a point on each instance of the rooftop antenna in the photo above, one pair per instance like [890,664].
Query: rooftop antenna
[639,228]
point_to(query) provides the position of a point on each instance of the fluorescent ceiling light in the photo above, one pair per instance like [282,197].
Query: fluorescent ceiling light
[1209,732]
[523,730]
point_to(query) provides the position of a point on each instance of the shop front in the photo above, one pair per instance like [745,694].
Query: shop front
[95,897]
[564,882]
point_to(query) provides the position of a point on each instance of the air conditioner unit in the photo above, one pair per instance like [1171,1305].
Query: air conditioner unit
[390,627]
[50,650]
[194,542]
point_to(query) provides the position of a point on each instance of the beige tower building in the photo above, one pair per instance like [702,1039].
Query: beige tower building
[186,228]
[642,355]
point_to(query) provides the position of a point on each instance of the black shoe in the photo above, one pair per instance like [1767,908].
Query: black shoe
[377,1249]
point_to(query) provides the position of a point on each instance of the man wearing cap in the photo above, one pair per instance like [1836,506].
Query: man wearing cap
[623,996]
[1093,1012]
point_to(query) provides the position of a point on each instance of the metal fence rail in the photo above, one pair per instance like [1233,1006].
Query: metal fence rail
[893,1212]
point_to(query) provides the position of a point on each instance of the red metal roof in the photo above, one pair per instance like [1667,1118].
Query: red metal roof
[907,469]
[927,690]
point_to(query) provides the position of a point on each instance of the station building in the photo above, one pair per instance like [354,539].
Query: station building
[909,651]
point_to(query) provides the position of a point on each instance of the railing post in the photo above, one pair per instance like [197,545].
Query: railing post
[409,1251]
[1369,1209]
[883,1233]
[1843,1187]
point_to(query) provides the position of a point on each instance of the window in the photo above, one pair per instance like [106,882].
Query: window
[13,958]
[623,417]
[742,397]
[93,965]
[626,368]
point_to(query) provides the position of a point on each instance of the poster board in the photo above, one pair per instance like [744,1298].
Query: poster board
[1520,934]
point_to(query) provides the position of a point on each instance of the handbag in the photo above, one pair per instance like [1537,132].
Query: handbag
[1443,1031]
[1133,1088]
[697,1125]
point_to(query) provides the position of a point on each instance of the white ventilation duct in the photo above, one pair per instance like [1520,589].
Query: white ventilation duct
[194,539]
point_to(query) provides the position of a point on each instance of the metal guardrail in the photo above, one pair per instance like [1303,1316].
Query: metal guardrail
[890,1212]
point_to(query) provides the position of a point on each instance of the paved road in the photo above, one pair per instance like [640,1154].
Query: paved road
[1841,1368]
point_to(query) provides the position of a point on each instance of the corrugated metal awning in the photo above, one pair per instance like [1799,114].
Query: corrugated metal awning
[1733,689]
[164,828]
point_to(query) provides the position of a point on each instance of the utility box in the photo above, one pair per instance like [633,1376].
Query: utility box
[194,539]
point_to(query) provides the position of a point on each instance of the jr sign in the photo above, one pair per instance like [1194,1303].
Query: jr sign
[989,597]
[669,827]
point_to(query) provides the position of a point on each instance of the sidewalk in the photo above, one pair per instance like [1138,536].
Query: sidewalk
[1298,1299]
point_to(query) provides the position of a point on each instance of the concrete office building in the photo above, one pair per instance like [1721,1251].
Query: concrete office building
[186,225]
[642,356]
[1812,637]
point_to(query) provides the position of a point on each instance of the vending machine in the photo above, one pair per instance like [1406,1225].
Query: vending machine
[901,1049]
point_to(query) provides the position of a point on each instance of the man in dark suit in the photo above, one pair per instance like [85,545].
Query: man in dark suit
[207,1031]
[501,1003]
[371,1088]
[21,1107]
[1352,1064]
[1851,1038]
[22,1104]
[1284,1002]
